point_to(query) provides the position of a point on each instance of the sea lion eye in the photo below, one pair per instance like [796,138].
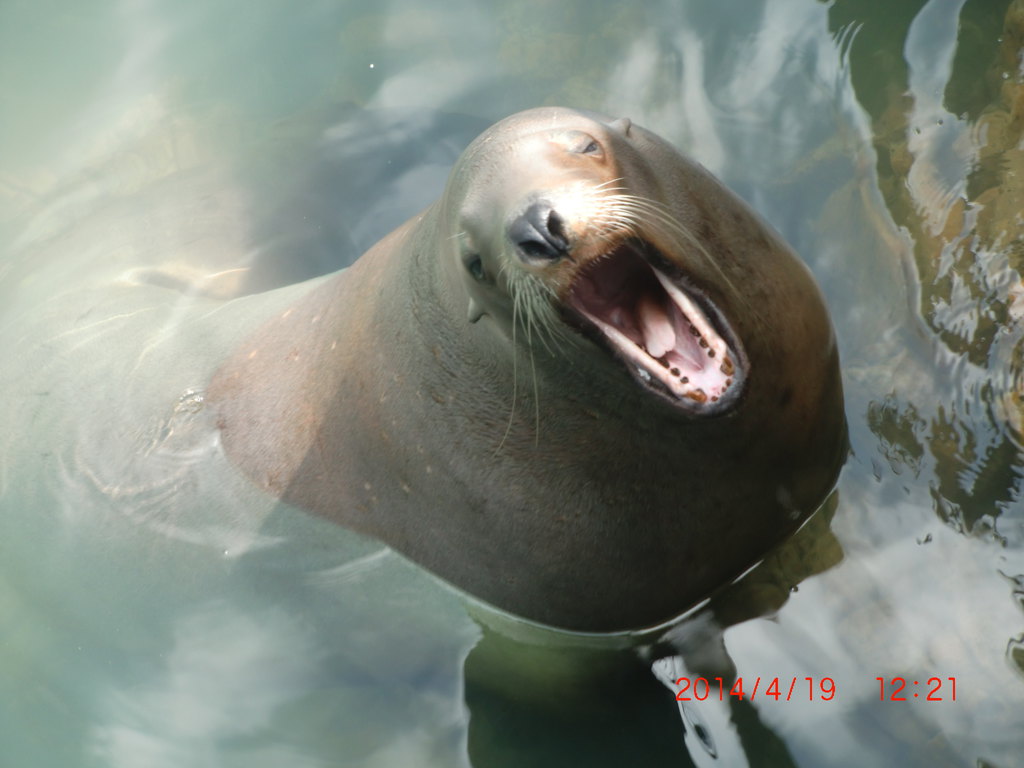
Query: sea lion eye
[475,266]
[582,143]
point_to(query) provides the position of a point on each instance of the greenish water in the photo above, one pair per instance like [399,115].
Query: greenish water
[881,138]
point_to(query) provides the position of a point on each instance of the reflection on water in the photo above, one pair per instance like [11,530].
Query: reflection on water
[218,149]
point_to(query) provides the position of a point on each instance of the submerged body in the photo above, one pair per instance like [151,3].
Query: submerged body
[587,386]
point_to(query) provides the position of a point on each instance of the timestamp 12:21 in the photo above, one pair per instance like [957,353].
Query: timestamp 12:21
[898,689]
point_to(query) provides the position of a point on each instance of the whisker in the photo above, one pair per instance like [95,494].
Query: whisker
[515,357]
[633,209]
[533,373]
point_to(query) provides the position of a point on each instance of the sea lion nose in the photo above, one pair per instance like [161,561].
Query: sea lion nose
[538,233]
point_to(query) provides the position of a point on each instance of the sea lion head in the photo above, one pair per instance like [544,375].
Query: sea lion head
[590,231]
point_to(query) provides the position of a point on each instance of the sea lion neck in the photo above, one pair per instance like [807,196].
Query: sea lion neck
[374,363]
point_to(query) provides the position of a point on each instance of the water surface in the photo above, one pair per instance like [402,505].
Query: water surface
[222,148]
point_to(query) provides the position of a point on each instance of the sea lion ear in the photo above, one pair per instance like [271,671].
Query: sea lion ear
[621,125]
[475,311]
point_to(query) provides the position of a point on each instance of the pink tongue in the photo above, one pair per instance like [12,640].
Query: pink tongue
[659,336]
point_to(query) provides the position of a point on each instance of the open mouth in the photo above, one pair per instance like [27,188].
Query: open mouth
[658,328]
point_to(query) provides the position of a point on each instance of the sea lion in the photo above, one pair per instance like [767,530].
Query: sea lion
[587,386]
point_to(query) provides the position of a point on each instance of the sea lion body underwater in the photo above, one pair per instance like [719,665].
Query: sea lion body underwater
[587,386]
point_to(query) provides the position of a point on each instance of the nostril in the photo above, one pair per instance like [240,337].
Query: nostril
[556,229]
[539,233]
